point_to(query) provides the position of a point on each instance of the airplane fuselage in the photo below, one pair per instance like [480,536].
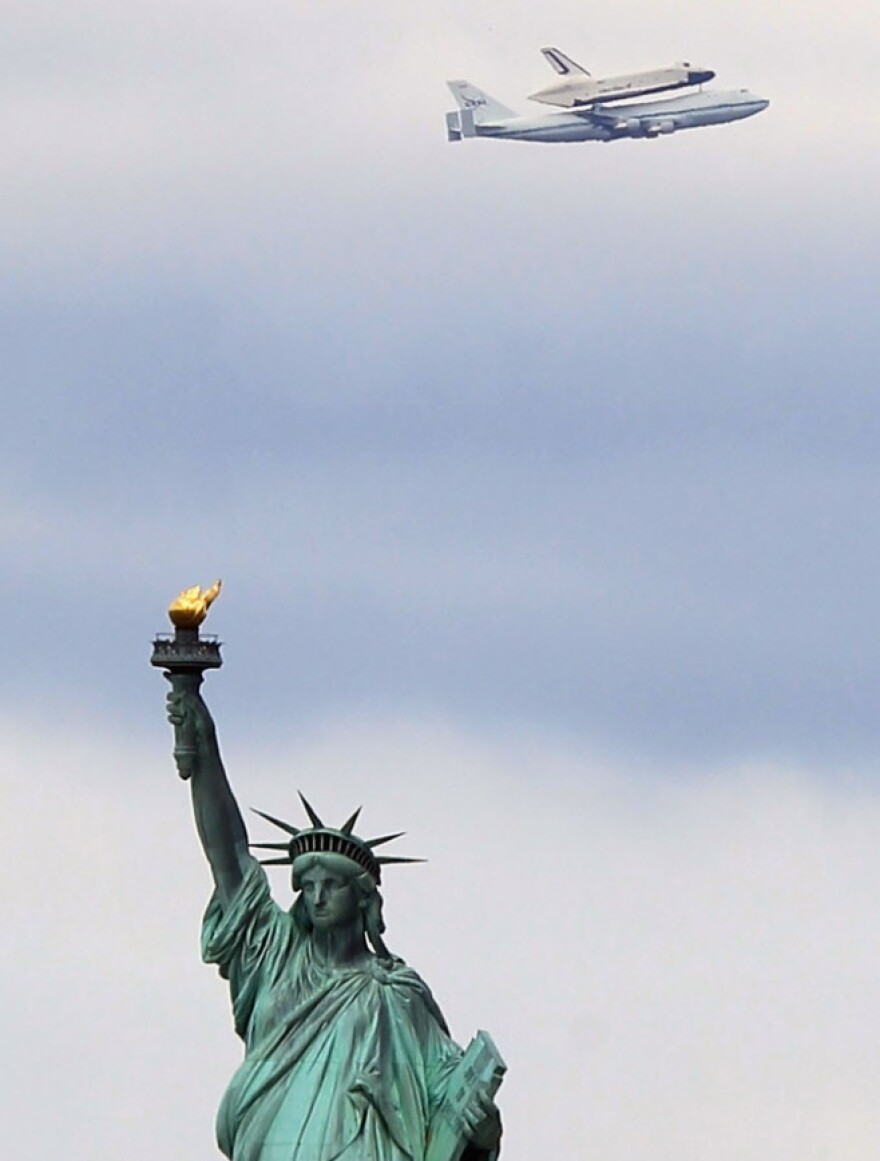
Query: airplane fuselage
[615,122]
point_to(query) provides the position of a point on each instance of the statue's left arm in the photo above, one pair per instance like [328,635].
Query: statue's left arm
[484,1126]
[219,821]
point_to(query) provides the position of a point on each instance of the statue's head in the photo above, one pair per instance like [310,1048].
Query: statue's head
[335,892]
[336,875]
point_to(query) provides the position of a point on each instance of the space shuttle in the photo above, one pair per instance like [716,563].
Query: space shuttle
[576,87]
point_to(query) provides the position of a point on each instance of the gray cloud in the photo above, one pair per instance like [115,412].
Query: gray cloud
[649,519]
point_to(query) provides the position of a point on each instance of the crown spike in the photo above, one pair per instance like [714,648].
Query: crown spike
[294,830]
[316,822]
[386,838]
[348,826]
[322,839]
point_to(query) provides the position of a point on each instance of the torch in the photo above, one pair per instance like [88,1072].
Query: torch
[185,655]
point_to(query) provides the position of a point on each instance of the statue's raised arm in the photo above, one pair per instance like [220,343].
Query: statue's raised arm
[218,818]
[184,657]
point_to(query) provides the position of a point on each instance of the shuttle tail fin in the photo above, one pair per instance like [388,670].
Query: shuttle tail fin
[562,64]
[483,107]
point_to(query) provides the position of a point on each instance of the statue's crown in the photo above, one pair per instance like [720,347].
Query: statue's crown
[319,839]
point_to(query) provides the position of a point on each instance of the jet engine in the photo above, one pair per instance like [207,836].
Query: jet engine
[655,128]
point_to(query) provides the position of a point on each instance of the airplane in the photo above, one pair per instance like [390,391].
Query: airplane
[578,88]
[480,115]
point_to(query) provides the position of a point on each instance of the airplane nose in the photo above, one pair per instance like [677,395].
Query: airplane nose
[700,76]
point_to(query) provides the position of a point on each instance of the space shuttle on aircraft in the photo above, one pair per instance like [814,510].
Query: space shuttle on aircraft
[576,87]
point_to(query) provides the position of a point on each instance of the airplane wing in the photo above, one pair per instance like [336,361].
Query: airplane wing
[650,125]
[562,64]
[609,120]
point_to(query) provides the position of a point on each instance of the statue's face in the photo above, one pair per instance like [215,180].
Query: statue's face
[330,896]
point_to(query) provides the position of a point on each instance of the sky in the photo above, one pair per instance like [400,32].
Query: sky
[542,483]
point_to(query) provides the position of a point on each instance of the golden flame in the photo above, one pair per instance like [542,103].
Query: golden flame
[188,610]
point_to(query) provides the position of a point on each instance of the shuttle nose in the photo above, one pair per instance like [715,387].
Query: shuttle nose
[700,76]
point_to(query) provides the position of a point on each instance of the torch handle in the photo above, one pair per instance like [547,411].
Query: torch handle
[186,747]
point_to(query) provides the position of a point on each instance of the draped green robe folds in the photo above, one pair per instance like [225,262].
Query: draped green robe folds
[341,1063]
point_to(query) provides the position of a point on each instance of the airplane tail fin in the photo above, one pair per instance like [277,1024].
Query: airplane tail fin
[473,100]
[562,64]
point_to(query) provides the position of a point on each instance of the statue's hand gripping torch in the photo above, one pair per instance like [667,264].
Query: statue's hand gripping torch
[184,687]
[185,656]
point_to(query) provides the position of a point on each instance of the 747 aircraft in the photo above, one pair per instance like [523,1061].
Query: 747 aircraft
[480,115]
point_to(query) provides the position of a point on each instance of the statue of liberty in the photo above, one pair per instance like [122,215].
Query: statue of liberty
[347,1055]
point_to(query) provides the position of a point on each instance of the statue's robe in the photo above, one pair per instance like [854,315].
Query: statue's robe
[341,1064]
